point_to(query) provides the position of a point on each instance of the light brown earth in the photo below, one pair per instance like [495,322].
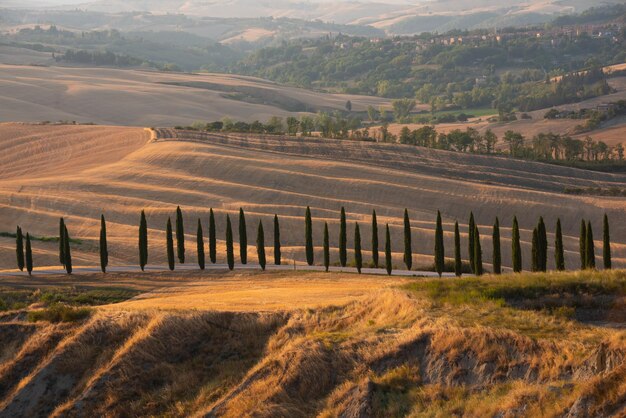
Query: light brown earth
[54,171]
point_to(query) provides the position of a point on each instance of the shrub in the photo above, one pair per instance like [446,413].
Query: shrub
[59,313]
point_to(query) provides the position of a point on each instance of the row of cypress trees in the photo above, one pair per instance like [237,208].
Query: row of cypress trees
[539,245]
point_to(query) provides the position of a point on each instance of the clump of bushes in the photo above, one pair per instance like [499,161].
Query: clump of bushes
[59,312]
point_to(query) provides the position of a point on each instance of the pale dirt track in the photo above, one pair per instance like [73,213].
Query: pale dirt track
[268,175]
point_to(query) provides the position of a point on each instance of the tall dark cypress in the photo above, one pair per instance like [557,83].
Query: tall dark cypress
[143,241]
[68,252]
[458,264]
[243,237]
[200,246]
[374,239]
[590,259]
[542,241]
[606,243]
[408,251]
[343,239]
[277,253]
[497,250]
[62,241]
[180,236]
[388,260]
[212,238]
[29,255]
[104,246]
[308,233]
[260,245]
[326,247]
[19,248]
[169,242]
[439,249]
[358,257]
[471,228]
[230,252]
[559,251]
[516,247]
[582,243]
[536,251]
[478,253]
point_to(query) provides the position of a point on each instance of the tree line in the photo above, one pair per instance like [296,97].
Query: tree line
[175,245]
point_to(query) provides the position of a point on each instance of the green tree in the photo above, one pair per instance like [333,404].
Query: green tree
[29,255]
[230,252]
[590,251]
[143,241]
[200,245]
[582,243]
[62,241]
[516,248]
[212,238]
[343,239]
[169,239]
[542,241]
[388,260]
[458,264]
[471,229]
[408,252]
[277,253]
[402,108]
[497,254]
[349,106]
[180,236]
[358,257]
[606,243]
[260,245]
[559,252]
[535,251]
[308,233]
[439,248]
[478,254]
[243,237]
[374,239]
[19,244]
[68,252]
[326,247]
[104,246]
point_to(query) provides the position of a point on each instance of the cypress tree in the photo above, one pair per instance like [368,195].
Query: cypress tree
[497,254]
[277,253]
[535,251]
[19,248]
[212,238]
[308,232]
[606,243]
[542,241]
[358,257]
[343,239]
[169,239]
[62,241]
[439,250]
[29,255]
[478,253]
[388,260]
[143,241]
[590,260]
[67,251]
[559,252]
[180,236]
[471,228]
[200,246]
[516,248]
[230,252]
[260,245]
[374,239]
[582,243]
[243,237]
[326,247]
[104,246]
[408,252]
[458,264]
